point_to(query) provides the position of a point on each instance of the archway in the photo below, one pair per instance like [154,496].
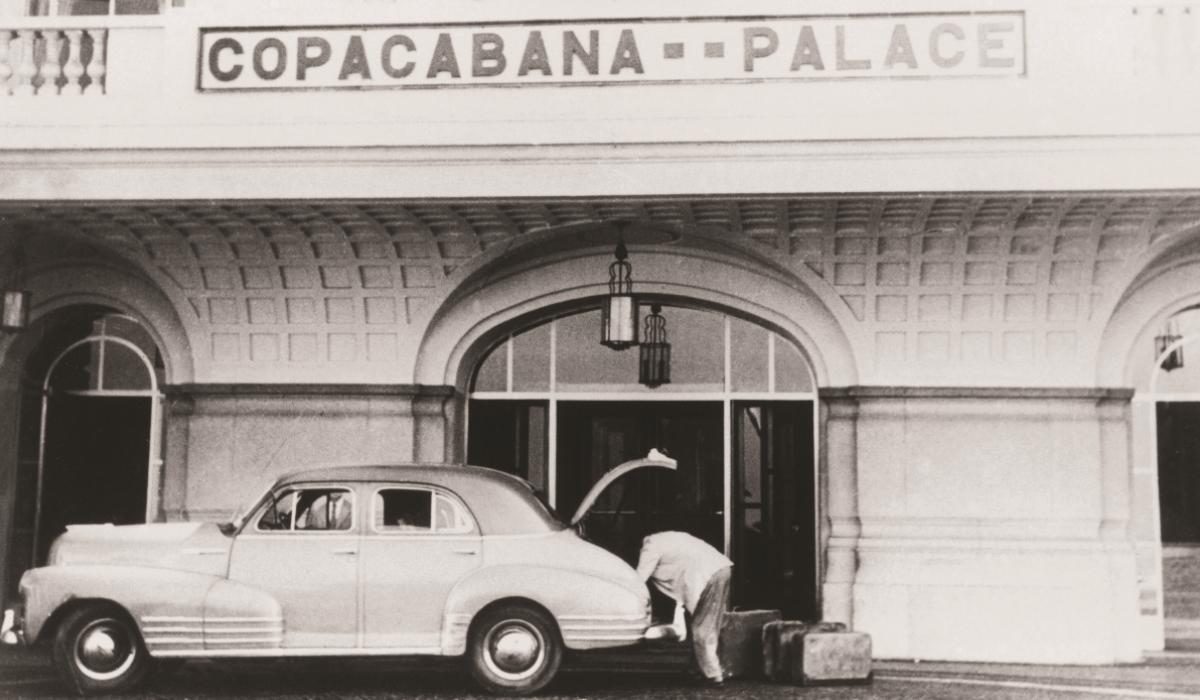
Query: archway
[89,447]
[1130,354]
[550,404]
[1174,392]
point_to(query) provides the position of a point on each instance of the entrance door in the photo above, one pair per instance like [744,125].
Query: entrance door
[594,436]
[1179,496]
[95,463]
[774,523]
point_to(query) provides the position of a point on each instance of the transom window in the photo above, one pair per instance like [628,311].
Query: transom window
[415,510]
[320,509]
[711,353]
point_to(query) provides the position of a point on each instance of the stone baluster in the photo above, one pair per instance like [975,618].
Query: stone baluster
[26,69]
[5,69]
[51,63]
[96,67]
[73,68]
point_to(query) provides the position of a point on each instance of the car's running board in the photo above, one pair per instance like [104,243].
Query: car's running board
[288,652]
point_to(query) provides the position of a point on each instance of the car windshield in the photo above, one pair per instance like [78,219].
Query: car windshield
[240,515]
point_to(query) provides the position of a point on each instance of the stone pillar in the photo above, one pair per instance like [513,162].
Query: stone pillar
[1113,416]
[432,433]
[178,409]
[1145,526]
[839,419]
[1116,474]
[994,524]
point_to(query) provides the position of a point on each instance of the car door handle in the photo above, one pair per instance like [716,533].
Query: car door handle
[346,552]
[466,551]
[201,551]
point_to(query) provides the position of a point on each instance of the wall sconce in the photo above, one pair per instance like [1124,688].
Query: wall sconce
[654,366]
[14,311]
[619,314]
[1169,336]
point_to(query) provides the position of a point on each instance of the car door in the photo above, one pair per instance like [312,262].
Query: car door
[418,542]
[302,547]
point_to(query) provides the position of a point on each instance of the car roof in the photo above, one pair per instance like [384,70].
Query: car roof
[502,503]
[397,472]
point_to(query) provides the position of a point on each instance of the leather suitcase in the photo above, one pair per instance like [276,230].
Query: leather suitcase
[784,639]
[832,657]
[740,647]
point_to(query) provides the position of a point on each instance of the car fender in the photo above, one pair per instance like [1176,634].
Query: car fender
[141,591]
[591,611]
[177,612]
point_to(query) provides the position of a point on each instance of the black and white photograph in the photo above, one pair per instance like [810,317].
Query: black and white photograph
[814,349]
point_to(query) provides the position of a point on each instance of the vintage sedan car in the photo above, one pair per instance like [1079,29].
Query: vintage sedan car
[343,561]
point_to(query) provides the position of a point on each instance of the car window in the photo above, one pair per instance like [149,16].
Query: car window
[316,509]
[415,510]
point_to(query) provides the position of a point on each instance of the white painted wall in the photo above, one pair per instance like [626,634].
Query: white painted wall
[1105,103]
[981,531]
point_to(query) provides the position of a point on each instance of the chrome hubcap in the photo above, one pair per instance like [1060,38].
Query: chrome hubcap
[515,650]
[104,650]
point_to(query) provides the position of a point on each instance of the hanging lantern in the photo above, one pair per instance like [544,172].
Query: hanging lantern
[654,366]
[619,314]
[1169,336]
[15,313]
[14,306]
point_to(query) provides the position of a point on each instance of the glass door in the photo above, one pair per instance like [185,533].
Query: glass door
[774,535]
[595,436]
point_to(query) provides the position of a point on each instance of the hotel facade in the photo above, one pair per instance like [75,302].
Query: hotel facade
[928,273]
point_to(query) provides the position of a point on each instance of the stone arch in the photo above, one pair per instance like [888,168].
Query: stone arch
[1164,282]
[64,270]
[558,271]
[60,287]
[1168,282]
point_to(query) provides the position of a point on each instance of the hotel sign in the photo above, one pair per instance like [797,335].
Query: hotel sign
[700,50]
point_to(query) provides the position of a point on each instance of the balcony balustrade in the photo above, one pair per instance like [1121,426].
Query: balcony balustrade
[53,61]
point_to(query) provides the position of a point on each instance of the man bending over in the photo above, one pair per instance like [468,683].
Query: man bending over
[692,572]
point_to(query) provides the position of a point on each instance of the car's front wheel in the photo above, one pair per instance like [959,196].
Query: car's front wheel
[97,649]
[515,650]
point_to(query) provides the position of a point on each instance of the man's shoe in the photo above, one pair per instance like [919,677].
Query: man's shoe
[703,680]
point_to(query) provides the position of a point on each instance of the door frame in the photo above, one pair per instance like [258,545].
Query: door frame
[154,458]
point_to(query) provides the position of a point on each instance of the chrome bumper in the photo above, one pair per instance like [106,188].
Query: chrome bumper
[11,632]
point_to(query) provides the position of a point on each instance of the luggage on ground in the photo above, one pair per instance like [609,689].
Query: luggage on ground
[740,648]
[815,652]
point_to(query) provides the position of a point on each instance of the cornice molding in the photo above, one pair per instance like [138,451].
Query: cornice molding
[978,393]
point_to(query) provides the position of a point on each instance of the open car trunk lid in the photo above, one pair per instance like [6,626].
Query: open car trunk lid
[653,459]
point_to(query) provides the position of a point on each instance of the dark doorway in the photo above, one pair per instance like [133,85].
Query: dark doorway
[594,437]
[1179,496]
[774,532]
[1179,470]
[774,523]
[510,436]
[95,464]
[87,424]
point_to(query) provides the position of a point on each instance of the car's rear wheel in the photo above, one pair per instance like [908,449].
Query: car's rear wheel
[97,650]
[515,649]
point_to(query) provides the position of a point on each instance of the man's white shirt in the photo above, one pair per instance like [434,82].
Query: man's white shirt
[679,565]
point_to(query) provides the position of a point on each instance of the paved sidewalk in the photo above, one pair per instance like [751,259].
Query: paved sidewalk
[1165,675]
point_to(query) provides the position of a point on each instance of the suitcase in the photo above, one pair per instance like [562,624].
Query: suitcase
[813,653]
[781,637]
[740,647]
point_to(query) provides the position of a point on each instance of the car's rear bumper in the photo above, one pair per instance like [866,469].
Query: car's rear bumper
[12,630]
